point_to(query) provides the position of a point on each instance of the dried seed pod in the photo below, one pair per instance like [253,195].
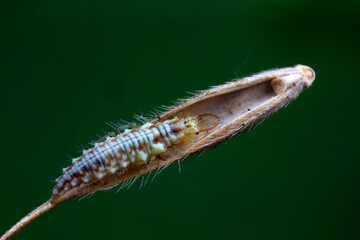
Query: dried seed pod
[202,121]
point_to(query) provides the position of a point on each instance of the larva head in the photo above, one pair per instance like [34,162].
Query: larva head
[192,124]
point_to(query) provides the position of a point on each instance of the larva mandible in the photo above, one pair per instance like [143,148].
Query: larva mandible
[197,123]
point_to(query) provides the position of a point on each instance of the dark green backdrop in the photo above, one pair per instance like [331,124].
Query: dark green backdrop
[67,68]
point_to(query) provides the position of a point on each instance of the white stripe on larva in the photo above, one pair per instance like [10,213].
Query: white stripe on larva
[77,168]
[114,166]
[145,138]
[132,152]
[107,151]
[140,154]
[91,161]
[124,142]
[149,134]
[118,146]
[113,149]
[138,136]
[102,158]
[133,140]
[164,134]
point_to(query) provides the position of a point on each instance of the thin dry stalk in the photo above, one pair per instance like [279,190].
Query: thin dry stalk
[240,105]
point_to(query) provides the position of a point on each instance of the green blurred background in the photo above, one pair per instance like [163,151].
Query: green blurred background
[67,68]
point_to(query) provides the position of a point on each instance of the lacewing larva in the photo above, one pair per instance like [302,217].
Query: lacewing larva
[127,150]
[194,125]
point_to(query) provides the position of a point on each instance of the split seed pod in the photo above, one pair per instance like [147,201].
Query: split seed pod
[203,121]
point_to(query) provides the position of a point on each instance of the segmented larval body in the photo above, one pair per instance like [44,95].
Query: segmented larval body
[133,147]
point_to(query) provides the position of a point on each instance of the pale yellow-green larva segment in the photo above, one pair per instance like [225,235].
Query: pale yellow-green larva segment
[115,154]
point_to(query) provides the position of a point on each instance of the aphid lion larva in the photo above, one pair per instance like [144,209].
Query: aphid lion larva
[239,105]
[127,150]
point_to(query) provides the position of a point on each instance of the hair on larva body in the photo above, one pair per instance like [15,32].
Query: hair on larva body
[130,149]
[221,113]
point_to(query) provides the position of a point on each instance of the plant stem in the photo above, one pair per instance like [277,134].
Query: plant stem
[37,212]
